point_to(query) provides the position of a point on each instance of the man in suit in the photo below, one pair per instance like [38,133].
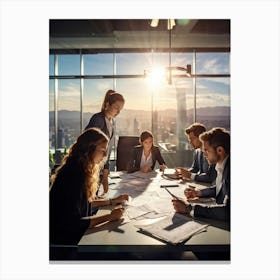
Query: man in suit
[200,170]
[216,147]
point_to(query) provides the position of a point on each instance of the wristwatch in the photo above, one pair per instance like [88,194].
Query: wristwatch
[189,208]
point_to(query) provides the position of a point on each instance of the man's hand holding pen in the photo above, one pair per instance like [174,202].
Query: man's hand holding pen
[179,205]
[191,193]
[183,173]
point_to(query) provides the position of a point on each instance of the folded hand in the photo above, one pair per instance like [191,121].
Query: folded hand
[121,199]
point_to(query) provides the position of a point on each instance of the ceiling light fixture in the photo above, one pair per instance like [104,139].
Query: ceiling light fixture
[154,22]
[170,24]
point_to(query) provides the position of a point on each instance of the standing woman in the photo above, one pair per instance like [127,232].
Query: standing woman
[73,189]
[111,107]
[146,155]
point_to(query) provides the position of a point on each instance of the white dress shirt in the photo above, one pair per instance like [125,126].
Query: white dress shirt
[146,161]
[220,169]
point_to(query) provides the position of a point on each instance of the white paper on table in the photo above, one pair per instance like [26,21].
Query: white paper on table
[162,206]
[115,174]
[174,228]
[138,182]
[136,211]
[139,174]
[150,215]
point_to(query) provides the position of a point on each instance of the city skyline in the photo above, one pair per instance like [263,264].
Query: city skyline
[131,122]
[139,92]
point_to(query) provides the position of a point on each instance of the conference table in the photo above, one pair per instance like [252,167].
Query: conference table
[148,203]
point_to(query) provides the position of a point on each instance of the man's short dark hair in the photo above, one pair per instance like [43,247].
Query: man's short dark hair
[196,129]
[217,136]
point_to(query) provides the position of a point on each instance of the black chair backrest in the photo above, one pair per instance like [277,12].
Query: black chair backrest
[125,151]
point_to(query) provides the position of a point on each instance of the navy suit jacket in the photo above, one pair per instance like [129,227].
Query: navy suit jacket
[221,211]
[98,120]
[137,155]
[204,172]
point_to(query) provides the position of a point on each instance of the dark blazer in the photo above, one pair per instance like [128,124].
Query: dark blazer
[204,172]
[98,120]
[67,205]
[221,211]
[137,155]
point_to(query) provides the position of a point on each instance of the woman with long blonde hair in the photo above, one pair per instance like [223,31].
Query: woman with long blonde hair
[74,187]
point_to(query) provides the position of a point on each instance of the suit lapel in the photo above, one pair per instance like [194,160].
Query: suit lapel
[222,193]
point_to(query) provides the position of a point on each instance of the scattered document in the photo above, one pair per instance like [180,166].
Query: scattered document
[170,173]
[162,206]
[139,174]
[174,228]
[115,174]
[134,212]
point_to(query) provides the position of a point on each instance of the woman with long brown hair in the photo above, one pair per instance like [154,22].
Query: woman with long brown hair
[74,187]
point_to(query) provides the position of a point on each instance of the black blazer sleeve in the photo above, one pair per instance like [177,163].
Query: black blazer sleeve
[208,176]
[156,155]
[205,173]
[98,120]
[195,165]
[217,212]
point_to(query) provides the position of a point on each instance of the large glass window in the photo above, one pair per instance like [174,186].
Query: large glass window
[94,92]
[68,112]
[69,64]
[181,60]
[98,64]
[213,102]
[133,63]
[152,102]
[51,64]
[51,116]
[212,63]
[136,115]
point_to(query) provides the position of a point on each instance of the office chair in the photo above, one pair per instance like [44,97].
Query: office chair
[125,151]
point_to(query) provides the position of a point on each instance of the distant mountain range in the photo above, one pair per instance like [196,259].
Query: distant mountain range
[220,111]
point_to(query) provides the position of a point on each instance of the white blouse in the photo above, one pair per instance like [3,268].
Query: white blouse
[146,161]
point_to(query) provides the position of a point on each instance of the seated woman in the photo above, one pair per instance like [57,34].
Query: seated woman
[146,154]
[73,190]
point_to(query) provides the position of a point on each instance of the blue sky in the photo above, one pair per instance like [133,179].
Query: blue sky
[210,91]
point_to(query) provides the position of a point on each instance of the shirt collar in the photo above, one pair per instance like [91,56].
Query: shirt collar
[221,165]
